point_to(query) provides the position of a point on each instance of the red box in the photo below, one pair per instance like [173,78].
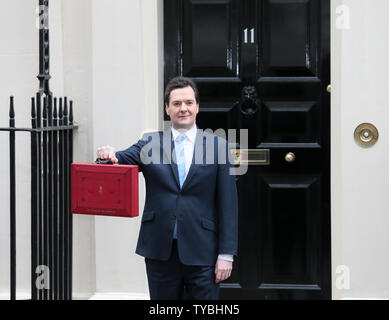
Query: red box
[106,190]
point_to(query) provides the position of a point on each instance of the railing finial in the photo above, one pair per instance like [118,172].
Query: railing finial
[11,112]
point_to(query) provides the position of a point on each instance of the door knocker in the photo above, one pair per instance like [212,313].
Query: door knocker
[249,101]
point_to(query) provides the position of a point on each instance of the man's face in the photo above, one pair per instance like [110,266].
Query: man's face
[182,108]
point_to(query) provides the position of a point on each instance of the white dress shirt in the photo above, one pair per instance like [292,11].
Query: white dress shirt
[189,142]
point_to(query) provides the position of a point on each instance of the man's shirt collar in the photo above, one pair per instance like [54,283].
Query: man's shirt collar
[190,134]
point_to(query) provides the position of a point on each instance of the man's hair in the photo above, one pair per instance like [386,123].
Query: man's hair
[179,83]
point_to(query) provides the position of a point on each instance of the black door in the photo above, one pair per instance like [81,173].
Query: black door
[264,65]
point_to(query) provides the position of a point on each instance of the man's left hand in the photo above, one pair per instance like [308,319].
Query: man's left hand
[223,270]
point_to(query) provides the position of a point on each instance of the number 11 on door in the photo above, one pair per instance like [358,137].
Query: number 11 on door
[246,35]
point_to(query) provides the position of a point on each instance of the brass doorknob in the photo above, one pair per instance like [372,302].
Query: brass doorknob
[290,157]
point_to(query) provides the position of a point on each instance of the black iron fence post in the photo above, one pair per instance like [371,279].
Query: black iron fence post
[50,174]
[66,198]
[55,198]
[34,199]
[61,203]
[12,199]
[45,239]
[39,185]
[70,222]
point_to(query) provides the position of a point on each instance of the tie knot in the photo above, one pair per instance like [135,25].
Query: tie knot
[181,138]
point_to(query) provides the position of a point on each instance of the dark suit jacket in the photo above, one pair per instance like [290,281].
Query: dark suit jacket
[206,207]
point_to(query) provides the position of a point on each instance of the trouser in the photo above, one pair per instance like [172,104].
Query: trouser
[172,280]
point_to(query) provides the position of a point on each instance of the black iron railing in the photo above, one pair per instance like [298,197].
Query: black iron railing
[51,157]
[51,219]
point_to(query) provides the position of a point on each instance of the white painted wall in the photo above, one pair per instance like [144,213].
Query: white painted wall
[360,177]
[77,81]
[127,82]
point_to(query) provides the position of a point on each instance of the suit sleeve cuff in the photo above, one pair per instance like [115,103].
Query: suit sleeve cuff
[228,257]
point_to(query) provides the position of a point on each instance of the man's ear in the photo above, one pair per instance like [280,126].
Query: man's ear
[166,109]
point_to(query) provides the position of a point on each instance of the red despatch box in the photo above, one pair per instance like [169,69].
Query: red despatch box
[104,189]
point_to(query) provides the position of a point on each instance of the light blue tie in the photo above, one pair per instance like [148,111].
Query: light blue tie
[180,156]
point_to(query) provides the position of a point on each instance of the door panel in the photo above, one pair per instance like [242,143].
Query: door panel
[263,65]
[276,124]
[288,47]
[290,212]
[199,17]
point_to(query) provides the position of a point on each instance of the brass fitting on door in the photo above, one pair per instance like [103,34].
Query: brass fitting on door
[290,157]
[366,135]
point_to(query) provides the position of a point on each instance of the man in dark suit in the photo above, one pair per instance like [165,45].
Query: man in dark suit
[189,226]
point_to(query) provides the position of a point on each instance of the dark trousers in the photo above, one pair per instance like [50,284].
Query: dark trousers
[172,280]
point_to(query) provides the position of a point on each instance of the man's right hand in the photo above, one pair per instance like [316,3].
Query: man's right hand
[107,153]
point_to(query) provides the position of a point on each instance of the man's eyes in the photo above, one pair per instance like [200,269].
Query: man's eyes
[178,103]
